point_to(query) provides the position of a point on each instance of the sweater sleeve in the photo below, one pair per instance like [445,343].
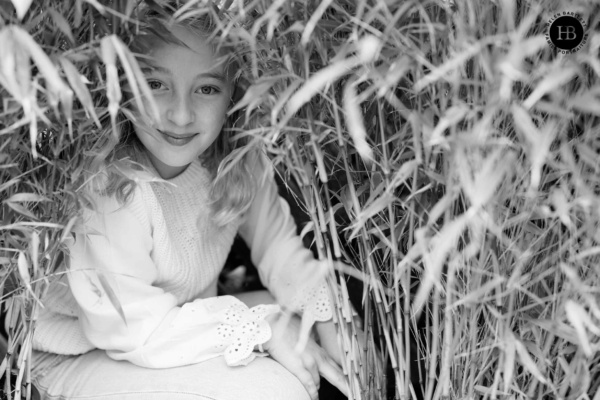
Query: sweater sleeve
[121,311]
[285,266]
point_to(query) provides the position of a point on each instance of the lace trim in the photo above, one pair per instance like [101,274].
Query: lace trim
[314,303]
[241,329]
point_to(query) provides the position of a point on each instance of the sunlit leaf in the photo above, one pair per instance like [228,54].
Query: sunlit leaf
[23,267]
[76,82]
[371,210]
[312,22]
[61,23]
[550,83]
[113,88]
[527,361]
[112,296]
[539,140]
[355,123]
[435,253]
[509,361]
[135,78]
[21,6]
[448,66]
[34,249]
[580,320]
[318,82]
[25,197]
[22,210]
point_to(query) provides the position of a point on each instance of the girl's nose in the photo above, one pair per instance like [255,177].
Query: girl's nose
[181,112]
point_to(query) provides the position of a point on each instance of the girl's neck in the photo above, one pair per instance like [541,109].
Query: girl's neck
[165,171]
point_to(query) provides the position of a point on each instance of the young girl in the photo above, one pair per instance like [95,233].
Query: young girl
[137,315]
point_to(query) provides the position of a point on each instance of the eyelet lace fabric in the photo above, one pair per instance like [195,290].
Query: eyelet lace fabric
[241,328]
[314,303]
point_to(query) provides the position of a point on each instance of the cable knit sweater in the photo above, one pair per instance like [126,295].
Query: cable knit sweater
[143,276]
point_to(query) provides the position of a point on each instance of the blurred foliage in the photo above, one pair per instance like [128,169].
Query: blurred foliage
[442,149]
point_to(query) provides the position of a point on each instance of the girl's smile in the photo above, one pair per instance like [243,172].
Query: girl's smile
[192,93]
[177,140]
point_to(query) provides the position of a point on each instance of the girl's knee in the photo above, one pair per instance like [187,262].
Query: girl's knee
[96,376]
[265,378]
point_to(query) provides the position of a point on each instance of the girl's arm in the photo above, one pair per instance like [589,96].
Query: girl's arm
[121,311]
[285,266]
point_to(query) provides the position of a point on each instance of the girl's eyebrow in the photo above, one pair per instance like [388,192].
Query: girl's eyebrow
[211,74]
[154,68]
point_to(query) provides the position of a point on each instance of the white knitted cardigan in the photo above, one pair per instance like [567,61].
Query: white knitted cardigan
[160,255]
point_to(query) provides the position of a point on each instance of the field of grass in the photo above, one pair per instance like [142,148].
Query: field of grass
[442,149]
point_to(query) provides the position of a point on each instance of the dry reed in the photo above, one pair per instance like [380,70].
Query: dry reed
[442,150]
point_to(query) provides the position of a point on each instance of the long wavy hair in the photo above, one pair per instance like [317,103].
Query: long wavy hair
[228,159]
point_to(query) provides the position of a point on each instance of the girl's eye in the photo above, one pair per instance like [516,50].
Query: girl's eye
[155,85]
[209,90]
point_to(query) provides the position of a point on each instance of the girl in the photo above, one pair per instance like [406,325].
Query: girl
[138,314]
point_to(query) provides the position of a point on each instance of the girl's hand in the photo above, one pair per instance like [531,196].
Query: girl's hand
[327,334]
[308,365]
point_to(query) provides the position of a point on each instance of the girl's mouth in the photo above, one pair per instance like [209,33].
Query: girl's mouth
[178,140]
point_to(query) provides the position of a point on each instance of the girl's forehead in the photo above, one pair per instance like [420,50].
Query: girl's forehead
[181,37]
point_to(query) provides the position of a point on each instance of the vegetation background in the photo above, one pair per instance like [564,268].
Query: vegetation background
[443,150]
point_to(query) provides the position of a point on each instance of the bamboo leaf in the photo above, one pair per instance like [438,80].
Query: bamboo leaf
[580,319]
[355,123]
[23,267]
[436,250]
[368,48]
[320,165]
[451,117]
[527,361]
[25,197]
[254,95]
[112,296]
[489,176]
[448,66]
[309,227]
[313,21]
[283,97]
[442,205]
[374,208]
[97,6]
[318,82]
[83,94]
[21,6]
[406,171]
[135,78]
[34,248]
[587,102]
[539,140]
[66,233]
[525,125]
[113,89]
[62,24]
[21,210]
[475,296]
[57,87]
[550,83]
[509,360]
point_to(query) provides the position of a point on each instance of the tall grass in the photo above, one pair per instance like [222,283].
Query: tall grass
[443,150]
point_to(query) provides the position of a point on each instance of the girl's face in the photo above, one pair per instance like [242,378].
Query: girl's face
[192,93]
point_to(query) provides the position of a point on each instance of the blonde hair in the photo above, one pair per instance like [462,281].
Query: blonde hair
[227,158]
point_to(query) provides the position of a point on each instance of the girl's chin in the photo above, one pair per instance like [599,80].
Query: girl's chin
[167,170]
